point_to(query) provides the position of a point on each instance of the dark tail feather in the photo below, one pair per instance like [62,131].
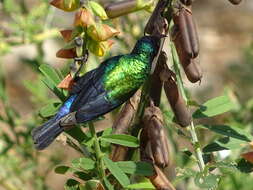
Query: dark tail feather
[45,134]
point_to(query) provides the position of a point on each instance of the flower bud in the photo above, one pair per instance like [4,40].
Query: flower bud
[101,32]
[83,18]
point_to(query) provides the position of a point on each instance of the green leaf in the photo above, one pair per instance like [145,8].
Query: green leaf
[98,10]
[116,172]
[83,163]
[49,109]
[83,176]
[92,185]
[71,184]
[124,140]
[59,93]
[108,184]
[143,185]
[229,131]
[184,173]
[52,79]
[77,134]
[137,168]
[209,181]
[50,73]
[226,143]
[214,107]
[106,132]
[61,169]
[244,166]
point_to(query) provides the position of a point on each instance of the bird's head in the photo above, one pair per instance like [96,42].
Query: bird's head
[147,45]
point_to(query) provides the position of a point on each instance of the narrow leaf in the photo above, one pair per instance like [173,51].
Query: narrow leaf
[49,72]
[229,131]
[226,143]
[125,140]
[214,107]
[137,168]
[49,109]
[53,88]
[77,134]
[116,172]
[108,184]
[61,169]
[143,185]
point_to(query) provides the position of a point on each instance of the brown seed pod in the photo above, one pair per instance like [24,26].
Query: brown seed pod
[123,123]
[120,8]
[235,2]
[187,29]
[192,69]
[187,2]
[145,147]
[160,181]
[156,83]
[176,100]
[153,121]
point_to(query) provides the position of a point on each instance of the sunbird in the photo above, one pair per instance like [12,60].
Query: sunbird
[101,90]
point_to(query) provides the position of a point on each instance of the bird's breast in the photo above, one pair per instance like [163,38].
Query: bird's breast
[125,78]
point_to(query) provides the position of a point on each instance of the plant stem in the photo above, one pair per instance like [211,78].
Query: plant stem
[191,128]
[196,146]
[100,164]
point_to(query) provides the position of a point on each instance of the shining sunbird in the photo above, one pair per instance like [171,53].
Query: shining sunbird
[101,90]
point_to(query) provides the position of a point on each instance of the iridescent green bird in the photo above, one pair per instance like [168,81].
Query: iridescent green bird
[101,90]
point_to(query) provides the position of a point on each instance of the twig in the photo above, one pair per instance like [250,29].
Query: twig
[100,165]
[191,127]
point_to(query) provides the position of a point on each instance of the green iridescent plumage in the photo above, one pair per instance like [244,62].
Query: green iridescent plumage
[125,75]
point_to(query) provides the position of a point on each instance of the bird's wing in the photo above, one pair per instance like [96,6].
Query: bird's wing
[94,108]
[89,88]
[82,81]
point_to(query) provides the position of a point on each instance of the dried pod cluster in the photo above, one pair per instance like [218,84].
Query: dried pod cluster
[154,146]
[185,37]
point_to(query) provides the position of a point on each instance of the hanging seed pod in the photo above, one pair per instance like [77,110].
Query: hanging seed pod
[160,181]
[192,69]
[156,82]
[145,147]
[123,123]
[189,38]
[175,99]
[153,121]
[187,2]
[235,2]
[120,8]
